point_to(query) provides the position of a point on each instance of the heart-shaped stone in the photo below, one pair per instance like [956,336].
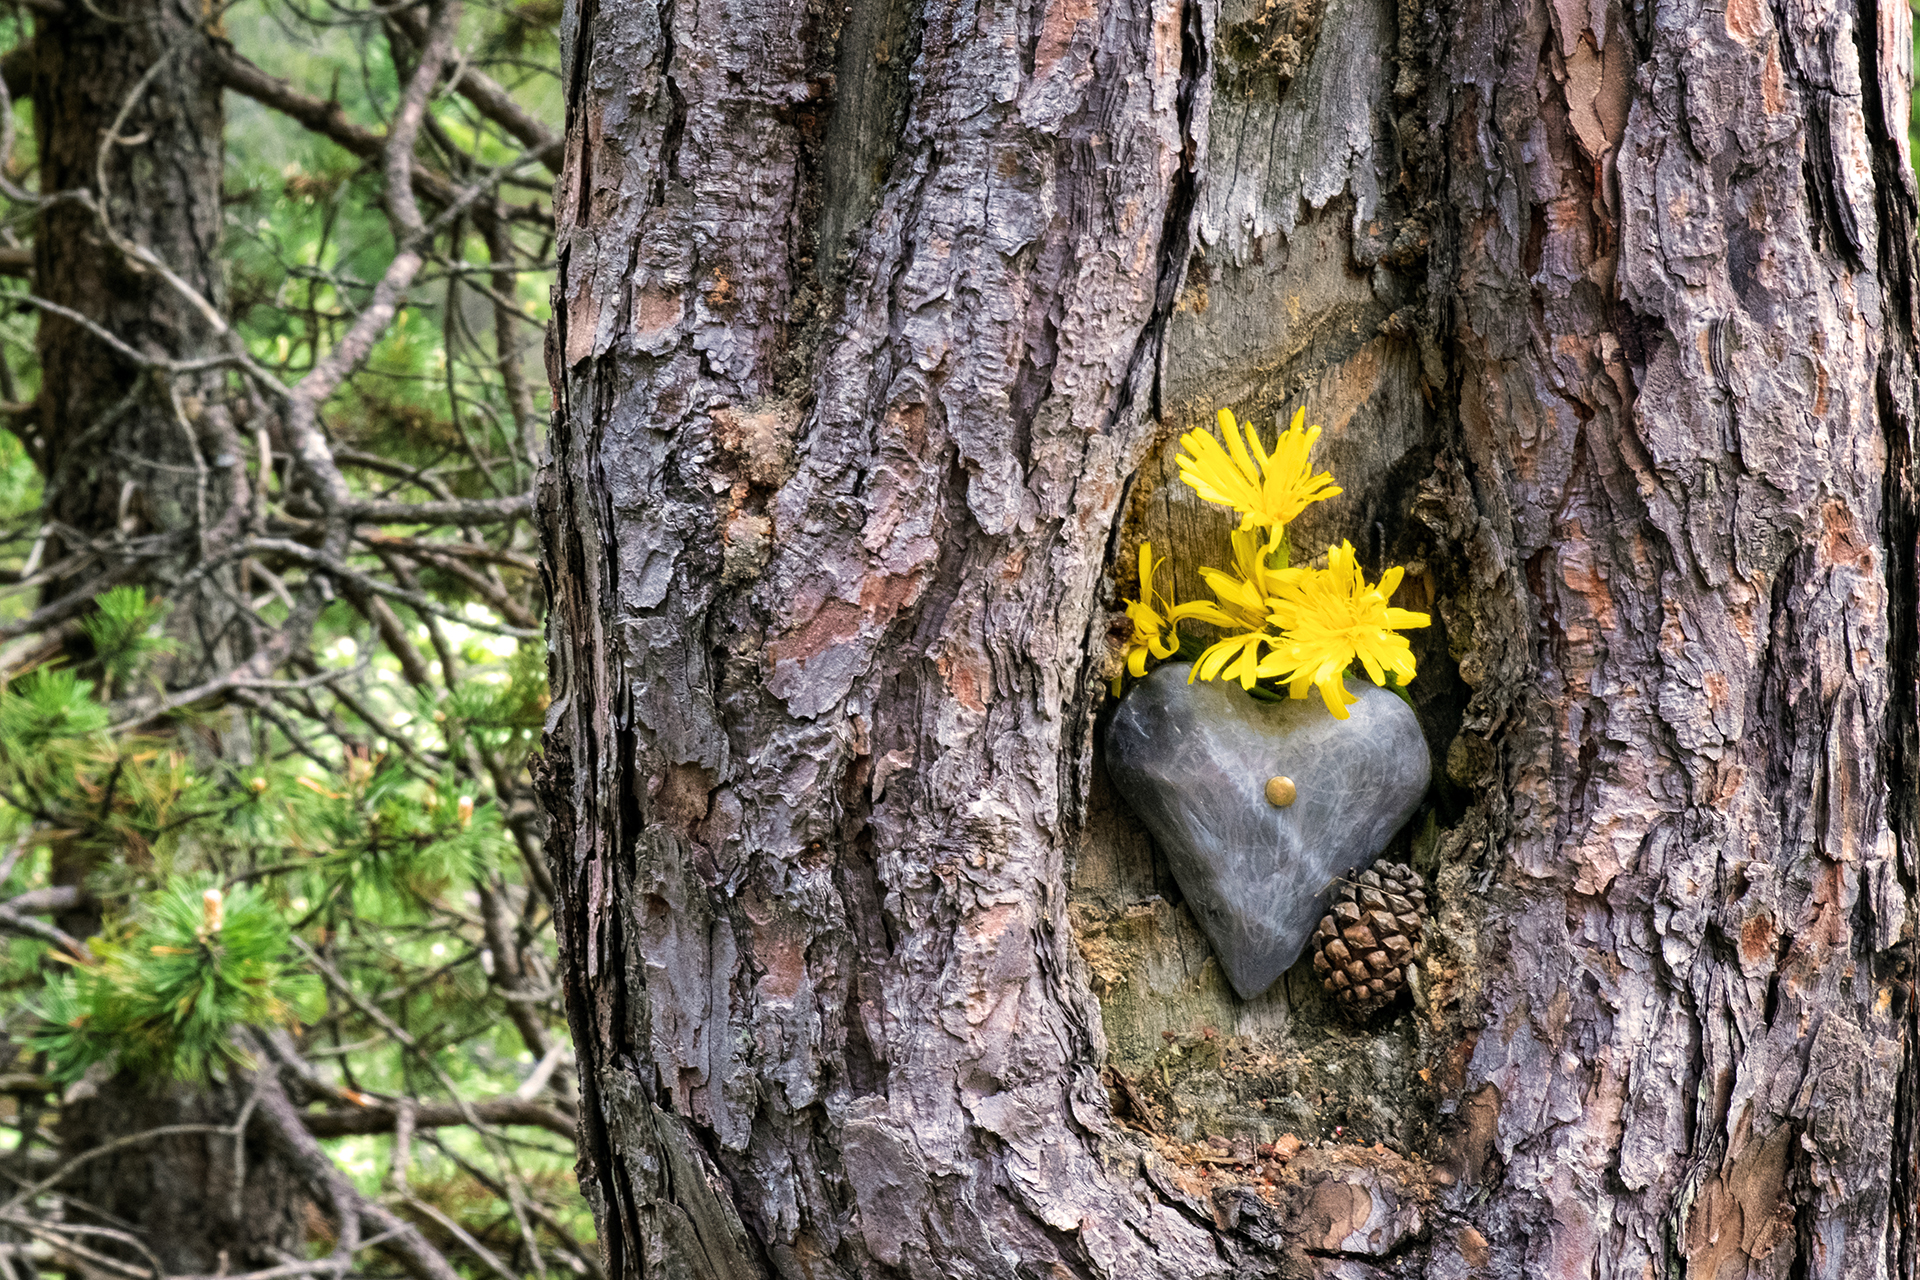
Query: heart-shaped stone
[1194,761]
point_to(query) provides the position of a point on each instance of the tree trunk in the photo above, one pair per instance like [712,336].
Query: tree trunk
[200,1202]
[145,474]
[875,330]
[142,469]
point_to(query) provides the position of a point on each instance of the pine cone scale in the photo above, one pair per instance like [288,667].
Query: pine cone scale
[1370,934]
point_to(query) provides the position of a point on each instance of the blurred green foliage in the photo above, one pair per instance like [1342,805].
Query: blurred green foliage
[307,239]
[345,809]
[167,987]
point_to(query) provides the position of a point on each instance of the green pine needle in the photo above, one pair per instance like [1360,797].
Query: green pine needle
[169,988]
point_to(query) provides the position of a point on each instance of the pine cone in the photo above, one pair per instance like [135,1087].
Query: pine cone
[1361,950]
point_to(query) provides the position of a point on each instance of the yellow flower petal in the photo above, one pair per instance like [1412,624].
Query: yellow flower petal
[1208,613]
[1236,657]
[1331,618]
[1237,595]
[1155,619]
[1337,706]
[1268,489]
[1230,432]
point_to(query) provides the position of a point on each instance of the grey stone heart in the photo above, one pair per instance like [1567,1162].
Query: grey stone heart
[1193,761]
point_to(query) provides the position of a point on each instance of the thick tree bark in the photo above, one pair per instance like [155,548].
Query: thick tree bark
[142,469]
[144,472]
[198,1201]
[874,330]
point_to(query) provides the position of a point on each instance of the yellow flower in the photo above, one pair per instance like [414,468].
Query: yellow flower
[1267,489]
[1151,626]
[1235,657]
[1245,597]
[1332,616]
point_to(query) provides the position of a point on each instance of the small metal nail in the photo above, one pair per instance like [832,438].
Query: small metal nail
[1281,792]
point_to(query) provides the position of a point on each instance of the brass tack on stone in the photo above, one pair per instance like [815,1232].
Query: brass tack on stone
[1280,792]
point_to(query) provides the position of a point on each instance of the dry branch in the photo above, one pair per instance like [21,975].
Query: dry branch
[382,1117]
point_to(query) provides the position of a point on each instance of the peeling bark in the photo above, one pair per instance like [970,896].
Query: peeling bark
[875,329]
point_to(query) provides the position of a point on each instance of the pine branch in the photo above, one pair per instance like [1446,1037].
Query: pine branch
[381,1117]
[351,1209]
[492,101]
[28,927]
[455,511]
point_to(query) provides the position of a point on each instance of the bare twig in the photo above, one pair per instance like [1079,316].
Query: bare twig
[456,511]
[460,550]
[245,676]
[28,838]
[41,902]
[494,102]
[383,1117]
[337,547]
[61,1235]
[29,1193]
[334,979]
[28,927]
[351,1208]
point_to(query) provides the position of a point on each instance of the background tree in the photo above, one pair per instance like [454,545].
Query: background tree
[280,995]
[876,326]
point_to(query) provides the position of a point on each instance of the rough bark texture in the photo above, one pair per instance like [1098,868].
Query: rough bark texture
[198,1200]
[132,473]
[134,462]
[1609,314]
